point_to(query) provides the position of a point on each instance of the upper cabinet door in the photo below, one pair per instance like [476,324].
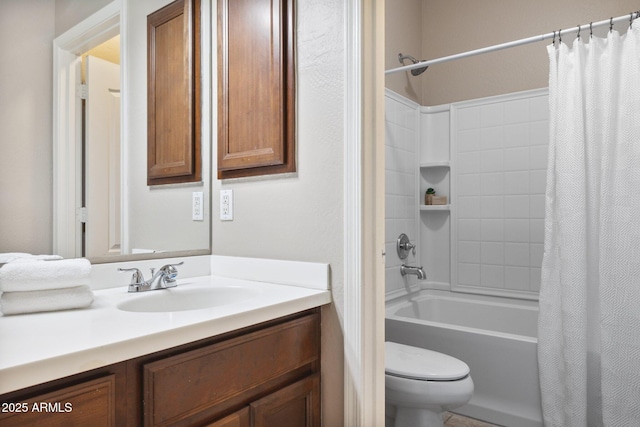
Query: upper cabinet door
[173,149]
[256,87]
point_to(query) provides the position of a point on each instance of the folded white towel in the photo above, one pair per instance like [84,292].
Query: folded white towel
[49,300]
[13,256]
[41,275]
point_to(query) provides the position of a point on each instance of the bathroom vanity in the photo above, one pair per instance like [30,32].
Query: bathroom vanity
[267,373]
[131,360]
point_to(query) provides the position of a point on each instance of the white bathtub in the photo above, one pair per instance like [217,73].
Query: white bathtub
[495,336]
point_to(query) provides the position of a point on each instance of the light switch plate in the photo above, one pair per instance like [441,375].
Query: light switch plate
[226,205]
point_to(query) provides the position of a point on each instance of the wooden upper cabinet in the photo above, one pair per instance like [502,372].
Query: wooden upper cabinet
[173,147]
[256,87]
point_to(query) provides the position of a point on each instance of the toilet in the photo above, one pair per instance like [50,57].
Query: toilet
[421,384]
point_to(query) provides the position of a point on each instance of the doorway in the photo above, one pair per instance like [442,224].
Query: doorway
[67,121]
[101,151]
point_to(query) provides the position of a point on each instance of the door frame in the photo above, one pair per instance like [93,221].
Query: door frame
[364,182]
[67,125]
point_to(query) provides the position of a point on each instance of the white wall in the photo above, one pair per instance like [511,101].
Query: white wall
[401,198]
[26,35]
[300,216]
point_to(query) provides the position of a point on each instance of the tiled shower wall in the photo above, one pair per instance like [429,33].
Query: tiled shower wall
[498,151]
[401,136]
[501,158]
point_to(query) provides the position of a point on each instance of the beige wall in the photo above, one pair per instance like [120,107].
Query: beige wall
[26,33]
[70,12]
[403,34]
[454,26]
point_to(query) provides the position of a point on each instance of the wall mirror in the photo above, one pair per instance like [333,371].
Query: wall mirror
[103,208]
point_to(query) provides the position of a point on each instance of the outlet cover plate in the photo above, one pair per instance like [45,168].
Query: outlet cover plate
[197,213]
[226,205]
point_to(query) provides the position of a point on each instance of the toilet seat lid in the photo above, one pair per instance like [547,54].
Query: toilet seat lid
[422,364]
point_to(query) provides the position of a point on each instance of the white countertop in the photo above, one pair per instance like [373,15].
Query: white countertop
[35,348]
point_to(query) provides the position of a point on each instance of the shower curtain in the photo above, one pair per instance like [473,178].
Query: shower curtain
[589,323]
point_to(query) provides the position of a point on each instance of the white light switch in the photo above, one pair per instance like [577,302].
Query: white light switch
[198,210]
[226,205]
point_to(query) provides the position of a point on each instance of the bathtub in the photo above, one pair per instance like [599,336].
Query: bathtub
[495,336]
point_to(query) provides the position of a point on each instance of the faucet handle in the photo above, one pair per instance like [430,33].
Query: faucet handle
[170,271]
[167,269]
[136,278]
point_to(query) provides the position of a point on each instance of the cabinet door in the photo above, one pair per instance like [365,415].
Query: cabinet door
[173,108]
[91,403]
[237,419]
[297,405]
[199,384]
[256,93]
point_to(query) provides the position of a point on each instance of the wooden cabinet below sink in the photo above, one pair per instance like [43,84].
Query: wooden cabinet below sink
[297,405]
[261,376]
[90,403]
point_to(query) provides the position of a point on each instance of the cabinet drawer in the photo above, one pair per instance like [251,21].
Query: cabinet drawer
[91,403]
[185,385]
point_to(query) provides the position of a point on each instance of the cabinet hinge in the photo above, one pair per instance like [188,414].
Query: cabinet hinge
[81,214]
[82,91]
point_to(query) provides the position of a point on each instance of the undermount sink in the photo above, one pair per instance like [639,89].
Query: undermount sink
[186,298]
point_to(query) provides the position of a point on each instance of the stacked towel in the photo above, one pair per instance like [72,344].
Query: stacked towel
[31,286]
[46,300]
[13,256]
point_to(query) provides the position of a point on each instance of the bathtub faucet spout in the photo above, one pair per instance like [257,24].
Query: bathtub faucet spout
[416,271]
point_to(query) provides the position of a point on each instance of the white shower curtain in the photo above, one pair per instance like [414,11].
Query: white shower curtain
[589,324]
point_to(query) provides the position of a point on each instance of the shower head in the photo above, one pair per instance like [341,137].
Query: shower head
[415,71]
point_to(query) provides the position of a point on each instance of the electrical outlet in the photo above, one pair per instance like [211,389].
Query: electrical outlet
[226,205]
[197,213]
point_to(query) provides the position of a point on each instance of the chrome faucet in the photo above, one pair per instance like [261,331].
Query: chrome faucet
[416,271]
[164,278]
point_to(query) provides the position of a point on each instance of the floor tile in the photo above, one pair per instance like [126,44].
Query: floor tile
[446,416]
[455,420]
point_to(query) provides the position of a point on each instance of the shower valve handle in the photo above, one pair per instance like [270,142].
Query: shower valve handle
[409,247]
[403,246]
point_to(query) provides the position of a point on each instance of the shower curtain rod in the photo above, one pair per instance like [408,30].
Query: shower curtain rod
[629,18]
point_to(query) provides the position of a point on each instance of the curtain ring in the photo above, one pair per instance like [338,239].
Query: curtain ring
[590,29]
[578,36]
[611,24]
[554,38]
[560,36]
[631,20]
